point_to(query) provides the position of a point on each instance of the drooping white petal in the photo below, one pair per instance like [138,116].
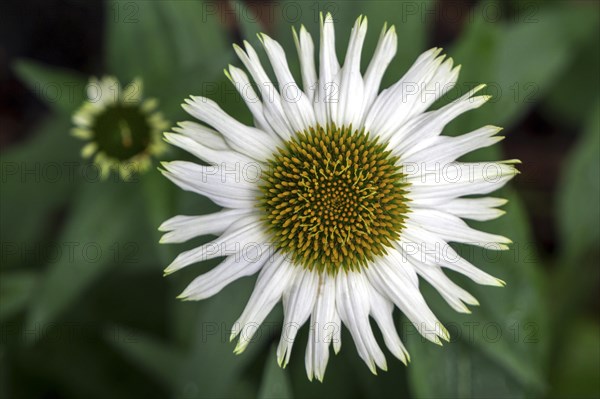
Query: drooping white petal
[452,293]
[353,305]
[382,311]
[350,106]
[384,53]
[229,185]
[244,87]
[433,184]
[453,229]
[388,278]
[202,135]
[480,209]
[297,107]
[427,80]
[323,328]
[298,304]
[337,333]
[182,228]
[242,235]
[245,139]
[327,97]
[273,280]
[244,263]
[306,53]
[206,153]
[430,249]
[273,109]
[445,149]
[415,133]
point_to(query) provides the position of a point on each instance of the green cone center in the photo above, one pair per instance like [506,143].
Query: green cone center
[334,198]
[122,131]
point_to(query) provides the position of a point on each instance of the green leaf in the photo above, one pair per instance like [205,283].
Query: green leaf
[39,175]
[183,315]
[346,375]
[158,359]
[74,360]
[520,62]
[195,31]
[386,384]
[275,381]
[105,229]
[577,367]
[577,215]
[61,89]
[212,369]
[508,333]
[163,42]
[4,373]
[578,211]
[136,43]
[573,96]
[15,292]
[457,371]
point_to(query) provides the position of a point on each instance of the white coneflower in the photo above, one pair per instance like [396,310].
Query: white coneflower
[341,196]
[122,129]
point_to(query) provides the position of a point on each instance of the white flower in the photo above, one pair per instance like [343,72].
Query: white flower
[122,130]
[340,196]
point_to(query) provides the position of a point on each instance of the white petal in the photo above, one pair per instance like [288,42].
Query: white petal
[245,139]
[453,229]
[350,106]
[416,132]
[382,311]
[298,303]
[384,53]
[480,209]
[445,149]
[182,228]
[234,267]
[274,278]
[243,235]
[456,296]
[110,89]
[270,96]
[433,184]
[322,328]
[203,135]
[206,153]
[295,104]
[353,305]
[244,87]
[306,53]
[328,92]
[430,249]
[212,182]
[387,277]
[428,79]
[95,94]
[337,333]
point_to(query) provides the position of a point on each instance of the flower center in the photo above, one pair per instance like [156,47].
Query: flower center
[122,131]
[334,198]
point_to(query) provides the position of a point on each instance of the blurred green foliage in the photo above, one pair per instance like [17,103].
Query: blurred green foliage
[108,325]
